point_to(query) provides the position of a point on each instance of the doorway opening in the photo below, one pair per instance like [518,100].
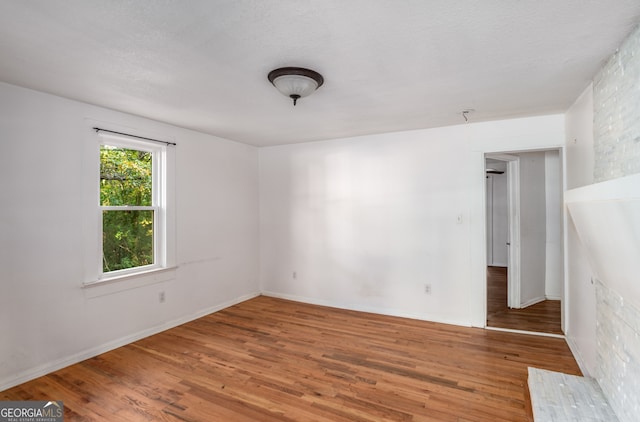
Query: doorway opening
[525,275]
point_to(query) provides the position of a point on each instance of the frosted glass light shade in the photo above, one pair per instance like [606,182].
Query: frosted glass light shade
[295,85]
[295,82]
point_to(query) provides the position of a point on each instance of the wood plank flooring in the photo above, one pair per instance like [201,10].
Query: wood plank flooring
[543,317]
[268,359]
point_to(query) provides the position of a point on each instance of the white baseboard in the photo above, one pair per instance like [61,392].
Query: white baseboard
[549,297]
[575,350]
[532,301]
[49,367]
[369,309]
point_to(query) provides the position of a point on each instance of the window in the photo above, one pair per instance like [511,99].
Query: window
[132,211]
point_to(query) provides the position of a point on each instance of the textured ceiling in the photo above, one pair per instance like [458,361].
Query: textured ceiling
[389,65]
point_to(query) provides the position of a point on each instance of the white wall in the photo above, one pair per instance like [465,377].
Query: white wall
[579,136]
[616,110]
[47,320]
[607,222]
[581,306]
[365,223]
[533,225]
[554,262]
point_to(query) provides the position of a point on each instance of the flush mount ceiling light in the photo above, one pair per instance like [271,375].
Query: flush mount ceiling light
[295,82]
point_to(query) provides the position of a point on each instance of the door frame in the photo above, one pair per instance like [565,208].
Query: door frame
[513,202]
[480,253]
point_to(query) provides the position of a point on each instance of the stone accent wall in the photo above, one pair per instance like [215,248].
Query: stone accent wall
[618,352]
[616,101]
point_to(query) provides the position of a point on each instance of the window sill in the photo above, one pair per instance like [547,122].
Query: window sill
[111,285]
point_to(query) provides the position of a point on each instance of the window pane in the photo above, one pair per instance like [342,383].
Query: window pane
[125,176]
[127,239]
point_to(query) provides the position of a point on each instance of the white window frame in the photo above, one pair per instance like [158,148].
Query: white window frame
[158,205]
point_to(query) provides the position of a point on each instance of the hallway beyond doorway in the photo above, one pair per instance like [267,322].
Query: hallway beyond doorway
[543,317]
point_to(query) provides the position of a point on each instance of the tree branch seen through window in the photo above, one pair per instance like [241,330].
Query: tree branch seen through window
[127,234]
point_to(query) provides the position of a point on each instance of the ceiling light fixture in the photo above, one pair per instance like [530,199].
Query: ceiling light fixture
[295,82]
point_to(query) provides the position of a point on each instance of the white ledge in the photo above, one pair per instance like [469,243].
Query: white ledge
[126,282]
[622,188]
[124,277]
[606,217]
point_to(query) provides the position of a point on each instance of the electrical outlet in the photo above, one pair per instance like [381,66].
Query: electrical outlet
[427,289]
[161,297]
[295,275]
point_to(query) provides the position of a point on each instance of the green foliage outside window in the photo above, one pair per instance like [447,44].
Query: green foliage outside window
[127,235]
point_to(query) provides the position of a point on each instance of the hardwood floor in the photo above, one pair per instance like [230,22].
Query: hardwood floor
[274,360]
[543,317]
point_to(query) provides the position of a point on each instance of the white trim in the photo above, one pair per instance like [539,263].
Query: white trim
[367,309]
[55,365]
[501,156]
[120,274]
[531,333]
[159,185]
[127,276]
[565,299]
[489,216]
[132,281]
[130,208]
[575,350]
[513,198]
[481,268]
[92,215]
[514,279]
[532,301]
[129,142]
[627,187]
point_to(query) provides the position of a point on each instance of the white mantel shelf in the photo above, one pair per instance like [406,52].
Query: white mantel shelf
[611,190]
[606,216]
